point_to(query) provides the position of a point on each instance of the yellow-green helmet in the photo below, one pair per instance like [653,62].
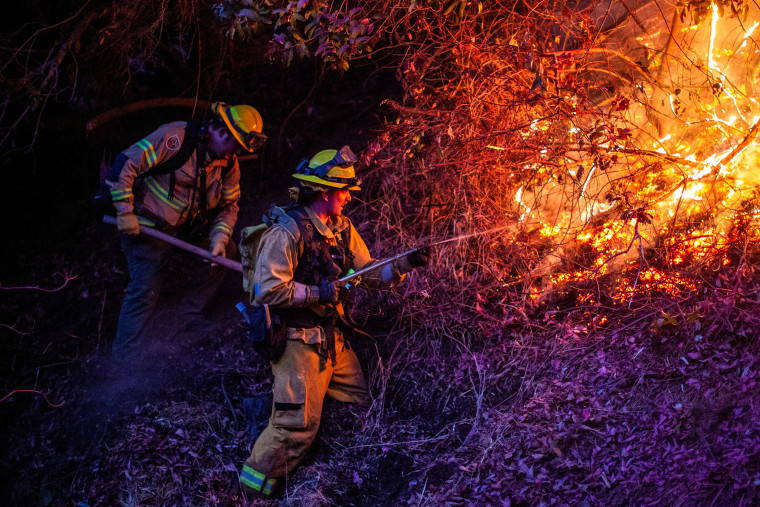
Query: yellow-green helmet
[244,122]
[330,168]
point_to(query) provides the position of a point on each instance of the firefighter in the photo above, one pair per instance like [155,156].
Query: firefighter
[182,179]
[300,257]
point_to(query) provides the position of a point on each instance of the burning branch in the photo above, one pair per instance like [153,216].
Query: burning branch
[656,154]
[751,135]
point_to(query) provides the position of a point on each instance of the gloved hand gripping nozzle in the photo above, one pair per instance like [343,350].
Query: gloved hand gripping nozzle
[419,256]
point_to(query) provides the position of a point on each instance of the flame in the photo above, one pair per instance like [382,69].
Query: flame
[681,210]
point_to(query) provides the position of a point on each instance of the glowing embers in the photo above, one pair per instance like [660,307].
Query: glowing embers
[686,248]
[688,186]
[548,230]
[607,245]
[651,282]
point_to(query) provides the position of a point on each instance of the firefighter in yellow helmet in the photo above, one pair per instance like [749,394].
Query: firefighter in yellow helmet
[300,257]
[182,179]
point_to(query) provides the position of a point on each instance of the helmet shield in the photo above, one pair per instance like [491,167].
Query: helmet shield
[330,168]
[255,140]
[343,158]
[244,122]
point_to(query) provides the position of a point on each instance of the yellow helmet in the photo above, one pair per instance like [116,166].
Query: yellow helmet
[330,168]
[244,122]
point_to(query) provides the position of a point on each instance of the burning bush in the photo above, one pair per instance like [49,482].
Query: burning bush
[564,134]
[606,158]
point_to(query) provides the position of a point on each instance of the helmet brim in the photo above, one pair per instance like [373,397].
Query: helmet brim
[234,133]
[319,181]
[249,140]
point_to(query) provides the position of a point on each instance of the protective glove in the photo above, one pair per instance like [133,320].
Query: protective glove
[329,292]
[420,257]
[127,223]
[218,248]
[218,244]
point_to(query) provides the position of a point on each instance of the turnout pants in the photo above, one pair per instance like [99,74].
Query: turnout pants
[302,378]
[147,260]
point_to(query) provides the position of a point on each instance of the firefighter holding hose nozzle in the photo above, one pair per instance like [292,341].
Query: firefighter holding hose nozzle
[300,258]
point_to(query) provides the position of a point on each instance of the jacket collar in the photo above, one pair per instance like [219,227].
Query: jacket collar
[334,224]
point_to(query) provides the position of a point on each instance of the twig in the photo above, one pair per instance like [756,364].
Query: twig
[638,273]
[66,276]
[31,391]
[298,106]
[655,154]
[664,66]
[15,330]
[406,442]
[633,15]
[53,67]
[751,135]
[648,315]
[618,54]
[100,320]
[51,365]
[636,235]
[422,495]
[433,113]
[229,403]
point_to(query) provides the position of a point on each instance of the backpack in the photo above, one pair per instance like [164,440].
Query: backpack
[265,330]
[102,203]
[248,247]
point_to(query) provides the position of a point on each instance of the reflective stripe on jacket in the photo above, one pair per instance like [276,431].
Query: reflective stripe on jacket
[150,196]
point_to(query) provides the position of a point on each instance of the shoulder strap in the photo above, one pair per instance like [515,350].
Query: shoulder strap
[185,151]
[347,245]
[305,228]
